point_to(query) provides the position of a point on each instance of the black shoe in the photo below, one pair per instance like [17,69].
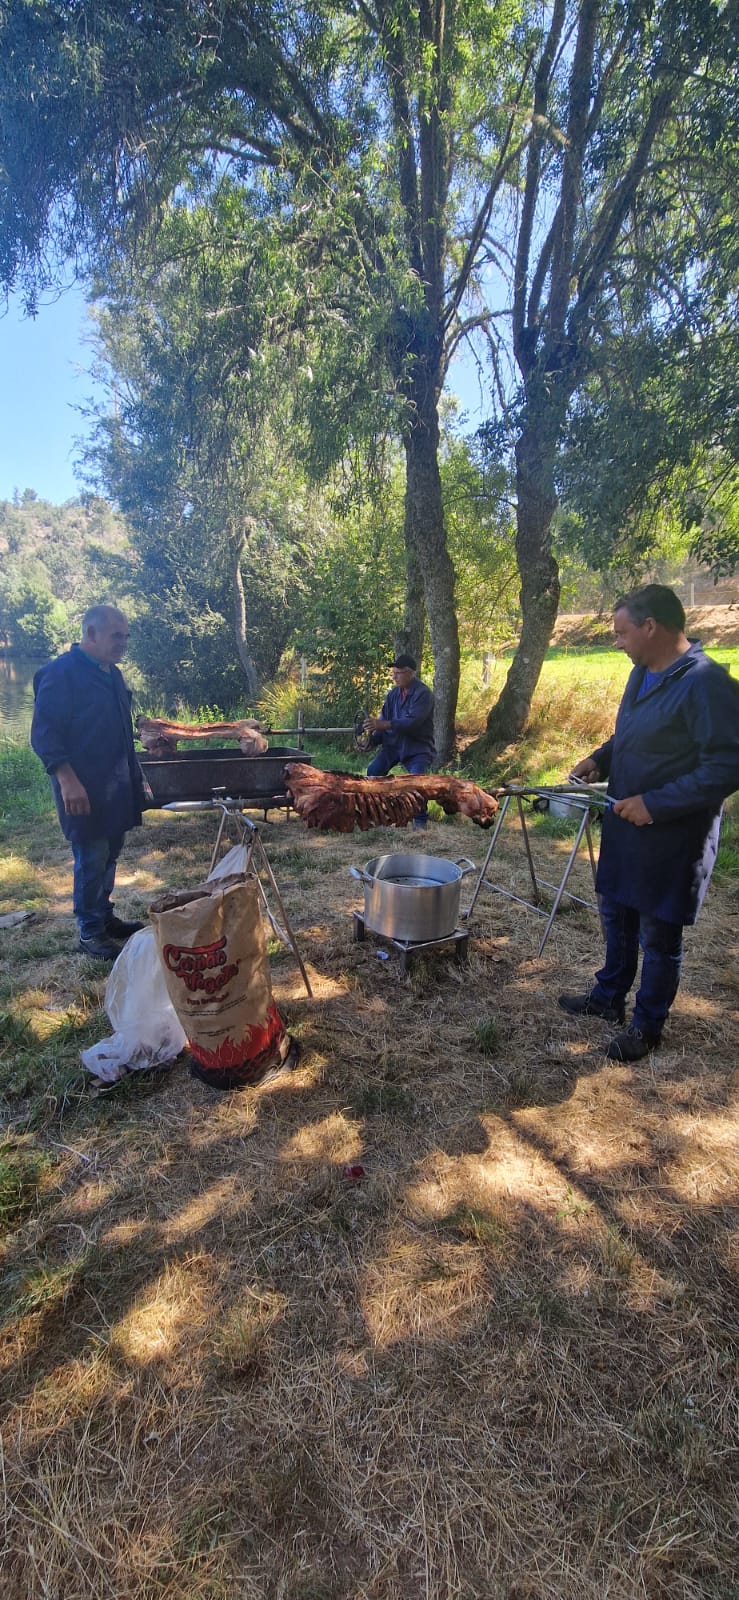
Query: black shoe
[633,1045]
[585,1005]
[116,928]
[99,948]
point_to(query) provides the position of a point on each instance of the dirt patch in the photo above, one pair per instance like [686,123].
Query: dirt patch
[714,625]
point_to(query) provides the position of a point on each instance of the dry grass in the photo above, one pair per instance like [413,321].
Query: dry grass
[499,1367]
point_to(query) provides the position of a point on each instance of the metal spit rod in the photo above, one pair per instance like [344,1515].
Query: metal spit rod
[585,793]
[296,732]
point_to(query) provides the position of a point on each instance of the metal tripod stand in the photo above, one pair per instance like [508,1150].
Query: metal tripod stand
[256,863]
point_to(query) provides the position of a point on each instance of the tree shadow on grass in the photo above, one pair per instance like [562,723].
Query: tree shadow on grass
[232,1367]
[421,1367]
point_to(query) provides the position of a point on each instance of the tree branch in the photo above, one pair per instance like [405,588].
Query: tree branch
[533,172]
[506,160]
[577,123]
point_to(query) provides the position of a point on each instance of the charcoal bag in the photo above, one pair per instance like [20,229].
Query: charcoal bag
[213,952]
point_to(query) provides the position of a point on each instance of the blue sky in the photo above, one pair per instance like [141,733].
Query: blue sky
[45,365]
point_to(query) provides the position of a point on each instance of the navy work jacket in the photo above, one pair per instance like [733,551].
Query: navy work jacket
[412,719]
[82,715]
[678,747]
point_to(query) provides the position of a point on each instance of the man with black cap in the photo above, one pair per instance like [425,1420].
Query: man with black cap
[404,729]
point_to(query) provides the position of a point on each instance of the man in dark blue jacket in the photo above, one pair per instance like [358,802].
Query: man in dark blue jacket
[672,761]
[405,727]
[82,732]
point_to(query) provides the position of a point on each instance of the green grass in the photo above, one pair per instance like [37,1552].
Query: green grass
[481,1227]
[21,884]
[573,711]
[207,1259]
[22,1170]
[487,1036]
[39,1047]
[727,860]
[332,755]
[24,788]
[383,1099]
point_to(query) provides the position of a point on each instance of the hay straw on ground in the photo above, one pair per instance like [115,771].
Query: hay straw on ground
[499,1366]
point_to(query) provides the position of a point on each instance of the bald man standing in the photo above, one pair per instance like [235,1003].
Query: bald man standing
[82,731]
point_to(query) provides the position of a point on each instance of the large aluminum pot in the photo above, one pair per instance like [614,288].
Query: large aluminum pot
[412,897]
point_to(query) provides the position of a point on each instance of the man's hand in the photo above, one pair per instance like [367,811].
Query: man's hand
[633,810]
[74,793]
[376,725]
[587,769]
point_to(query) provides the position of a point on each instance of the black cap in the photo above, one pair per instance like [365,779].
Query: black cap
[404,661]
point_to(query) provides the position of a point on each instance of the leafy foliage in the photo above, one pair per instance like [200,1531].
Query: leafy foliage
[56,561]
[196,447]
[353,601]
[390,180]
[619,242]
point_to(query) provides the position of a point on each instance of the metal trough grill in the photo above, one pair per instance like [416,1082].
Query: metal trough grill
[217,774]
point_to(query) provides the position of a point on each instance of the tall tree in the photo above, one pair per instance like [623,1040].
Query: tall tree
[654,444]
[625,103]
[194,441]
[390,119]
[415,144]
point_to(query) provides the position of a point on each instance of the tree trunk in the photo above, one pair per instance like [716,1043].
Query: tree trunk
[536,504]
[409,638]
[424,529]
[239,598]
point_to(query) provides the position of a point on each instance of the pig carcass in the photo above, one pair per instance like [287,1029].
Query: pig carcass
[339,802]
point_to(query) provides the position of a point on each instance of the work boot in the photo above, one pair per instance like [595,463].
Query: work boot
[116,928]
[99,948]
[586,1005]
[633,1045]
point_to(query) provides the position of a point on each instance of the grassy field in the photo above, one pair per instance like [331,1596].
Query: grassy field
[499,1365]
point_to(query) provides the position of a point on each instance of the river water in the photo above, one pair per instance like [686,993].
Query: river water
[16,696]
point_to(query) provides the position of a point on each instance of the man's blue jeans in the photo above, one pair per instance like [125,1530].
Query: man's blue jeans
[95,862]
[662,944]
[386,758]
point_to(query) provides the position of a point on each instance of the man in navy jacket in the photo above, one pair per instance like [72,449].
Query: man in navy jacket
[82,732]
[671,762]
[405,727]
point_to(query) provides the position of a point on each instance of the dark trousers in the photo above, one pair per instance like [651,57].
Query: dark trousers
[662,944]
[95,861]
[386,758]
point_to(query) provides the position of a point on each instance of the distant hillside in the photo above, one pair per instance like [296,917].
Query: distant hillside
[54,562]
[717,625]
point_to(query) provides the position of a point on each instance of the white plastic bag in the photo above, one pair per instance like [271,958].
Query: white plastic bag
[147,1032]
[234,861]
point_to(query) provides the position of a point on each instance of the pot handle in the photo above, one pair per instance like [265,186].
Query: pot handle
[362,877]
[469,866]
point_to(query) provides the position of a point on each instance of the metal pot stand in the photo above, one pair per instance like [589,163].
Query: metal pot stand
[257,862]
[424,896]
[587,805]
[409,948]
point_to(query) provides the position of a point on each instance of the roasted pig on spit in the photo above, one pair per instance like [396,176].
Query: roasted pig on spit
[339,802]
[159,737]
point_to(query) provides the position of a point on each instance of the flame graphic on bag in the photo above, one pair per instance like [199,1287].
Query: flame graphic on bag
[214,956]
